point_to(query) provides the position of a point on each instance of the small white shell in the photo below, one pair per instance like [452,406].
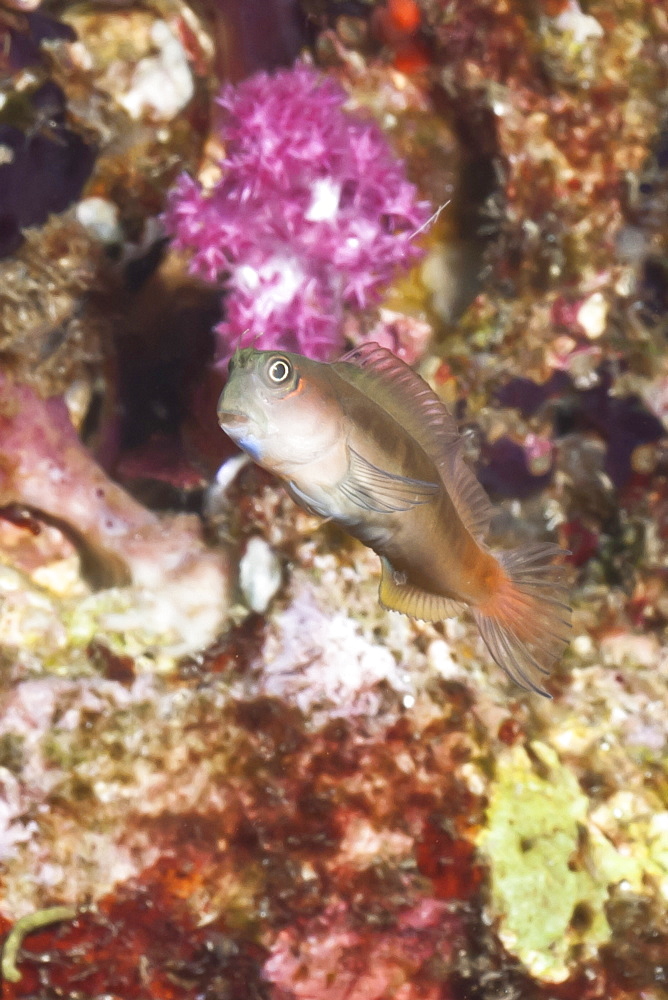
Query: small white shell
[259,574]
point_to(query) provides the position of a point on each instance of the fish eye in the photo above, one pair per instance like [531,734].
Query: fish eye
[279,370]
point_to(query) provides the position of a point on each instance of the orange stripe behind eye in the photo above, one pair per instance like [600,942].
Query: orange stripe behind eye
[297,389]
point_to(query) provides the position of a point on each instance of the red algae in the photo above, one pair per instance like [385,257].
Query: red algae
[109,664]
[333,960]
[140,943]
[299,843]
[234,653]
[448,862]
[510,731]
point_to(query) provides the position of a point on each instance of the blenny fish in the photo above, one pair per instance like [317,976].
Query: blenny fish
[366,442]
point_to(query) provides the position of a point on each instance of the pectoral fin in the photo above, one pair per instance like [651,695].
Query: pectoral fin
[383,492]
[306,502]
[397,594]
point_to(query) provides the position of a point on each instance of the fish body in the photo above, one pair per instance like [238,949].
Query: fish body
[364,441]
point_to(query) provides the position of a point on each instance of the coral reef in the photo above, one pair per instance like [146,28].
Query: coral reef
[224,768]
[54,319]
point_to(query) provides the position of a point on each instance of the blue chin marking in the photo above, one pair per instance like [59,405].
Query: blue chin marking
[251,447]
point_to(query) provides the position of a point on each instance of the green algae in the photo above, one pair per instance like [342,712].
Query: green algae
[50,629]
[551,868]
[26,925]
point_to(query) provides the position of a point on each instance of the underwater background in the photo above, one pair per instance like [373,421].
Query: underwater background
[225,772]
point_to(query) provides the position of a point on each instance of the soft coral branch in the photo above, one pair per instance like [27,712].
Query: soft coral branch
[313,214]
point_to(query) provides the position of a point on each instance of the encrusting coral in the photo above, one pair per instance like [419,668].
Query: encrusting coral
[44,468]
[280,791]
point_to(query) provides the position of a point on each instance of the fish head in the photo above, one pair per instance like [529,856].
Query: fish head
[280,408]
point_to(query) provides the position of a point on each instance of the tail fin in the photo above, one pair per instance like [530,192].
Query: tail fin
[525,624]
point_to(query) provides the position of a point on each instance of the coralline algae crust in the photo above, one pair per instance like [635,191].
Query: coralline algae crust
[552,864]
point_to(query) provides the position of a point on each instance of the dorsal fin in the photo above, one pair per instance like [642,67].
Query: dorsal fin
[407,397]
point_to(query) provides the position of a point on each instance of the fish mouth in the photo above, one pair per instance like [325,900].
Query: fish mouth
[228,419]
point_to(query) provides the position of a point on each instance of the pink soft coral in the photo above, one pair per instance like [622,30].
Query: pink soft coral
[313,213]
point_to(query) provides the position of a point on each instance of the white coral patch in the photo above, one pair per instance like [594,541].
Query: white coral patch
[161,84]
[593,315]
[317,659]
[581,26]
[99,216]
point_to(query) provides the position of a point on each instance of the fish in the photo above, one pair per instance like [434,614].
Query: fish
[364,441]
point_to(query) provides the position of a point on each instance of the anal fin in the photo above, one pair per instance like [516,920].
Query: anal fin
[395,594]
